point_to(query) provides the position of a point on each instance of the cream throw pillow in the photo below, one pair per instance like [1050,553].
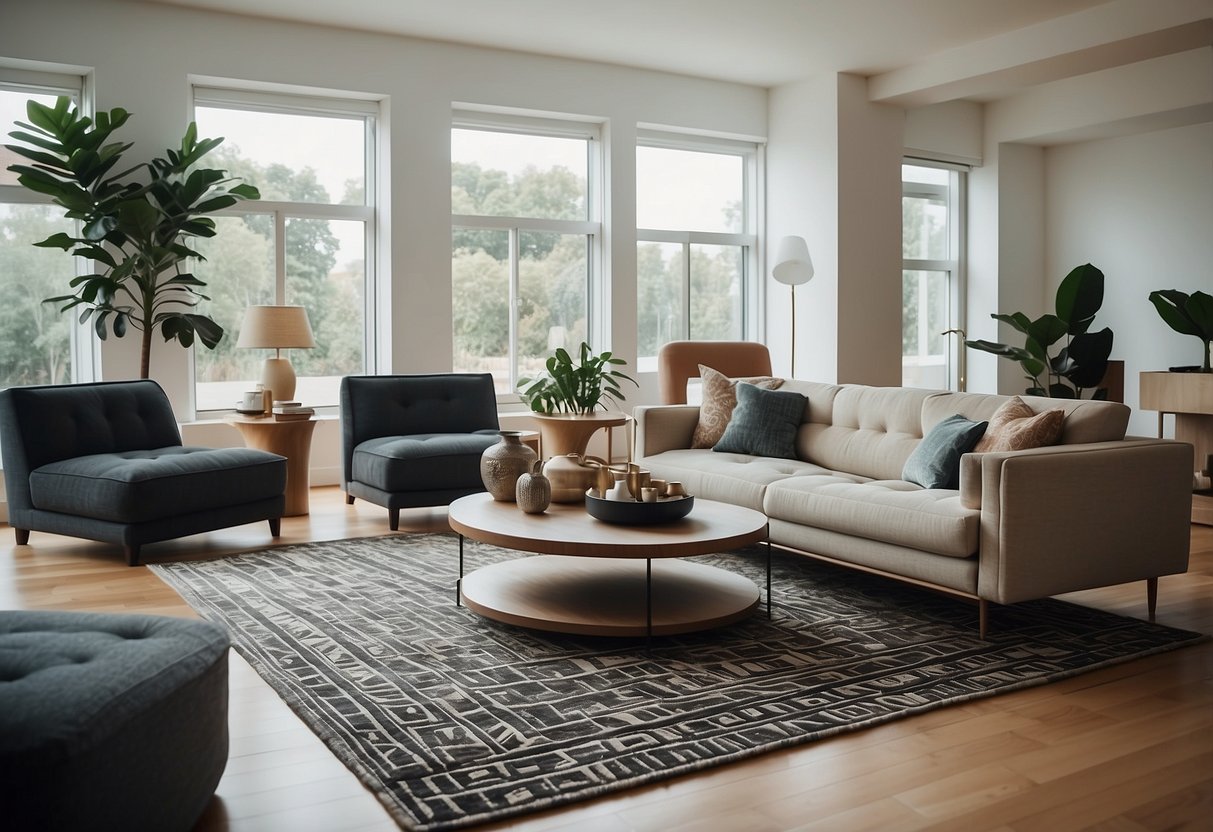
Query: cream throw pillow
[1017,427]
[719,401]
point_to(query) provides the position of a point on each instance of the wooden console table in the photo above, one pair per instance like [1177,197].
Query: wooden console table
[1189,396]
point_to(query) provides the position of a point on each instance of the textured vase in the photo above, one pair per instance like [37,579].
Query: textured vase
[533,491]
[502,464]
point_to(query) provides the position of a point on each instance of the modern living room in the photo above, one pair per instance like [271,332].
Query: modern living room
[1049,134]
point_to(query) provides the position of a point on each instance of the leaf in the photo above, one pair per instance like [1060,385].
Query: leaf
[1089,353]
[1079,297]
[1170,304]
[1019,320]
[1061,391]
[1046,330]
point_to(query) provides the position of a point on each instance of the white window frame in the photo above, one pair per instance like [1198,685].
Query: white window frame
[367,110]
[498,121]
[954,195]
[84,347]
[752,154]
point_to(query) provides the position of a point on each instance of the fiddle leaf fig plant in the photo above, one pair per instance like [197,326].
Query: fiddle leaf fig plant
[575,387]
[1081,361]
[1187,314]
[135,226]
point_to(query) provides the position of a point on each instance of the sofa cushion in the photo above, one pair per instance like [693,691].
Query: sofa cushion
[1017,427]
[890,511]
[935,463]
[422,462]
[740,479]
[719,400]
[765,423]
[141,486]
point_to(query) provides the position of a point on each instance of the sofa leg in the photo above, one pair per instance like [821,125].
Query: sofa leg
[1151,596]
[275,526]
[349,499]
[132,554]
[983,617]
[22,536]
[393,519]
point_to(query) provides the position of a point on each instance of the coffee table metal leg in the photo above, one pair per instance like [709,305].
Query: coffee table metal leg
[768,544]
[459,582]
[648,598]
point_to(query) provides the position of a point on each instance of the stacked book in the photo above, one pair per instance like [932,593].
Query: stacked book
[291,411]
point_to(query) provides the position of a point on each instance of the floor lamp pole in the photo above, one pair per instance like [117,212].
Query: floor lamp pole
[793,373]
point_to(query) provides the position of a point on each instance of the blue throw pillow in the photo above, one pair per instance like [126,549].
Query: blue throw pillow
[764,423]
[935,463]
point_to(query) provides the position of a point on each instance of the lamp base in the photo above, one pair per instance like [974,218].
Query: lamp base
[278,376]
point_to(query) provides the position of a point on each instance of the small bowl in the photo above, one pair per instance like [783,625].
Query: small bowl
[627,513]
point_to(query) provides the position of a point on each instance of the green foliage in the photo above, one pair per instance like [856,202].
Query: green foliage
[1187,314]
[1082,360]
[137,233]
[569,387]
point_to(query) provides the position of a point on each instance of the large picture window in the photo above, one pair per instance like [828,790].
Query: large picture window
[932,217]
[308,241]
[524,248]
[695,242]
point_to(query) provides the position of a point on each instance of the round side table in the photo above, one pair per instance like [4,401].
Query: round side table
[291,439]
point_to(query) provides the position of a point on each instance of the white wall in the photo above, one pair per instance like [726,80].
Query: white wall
[1141,209]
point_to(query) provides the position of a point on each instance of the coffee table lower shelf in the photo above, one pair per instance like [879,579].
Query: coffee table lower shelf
[607,596]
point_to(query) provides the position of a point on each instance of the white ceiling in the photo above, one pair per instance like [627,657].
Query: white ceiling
[761,42]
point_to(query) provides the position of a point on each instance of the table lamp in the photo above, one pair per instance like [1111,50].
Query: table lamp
[277,328]
[792,267]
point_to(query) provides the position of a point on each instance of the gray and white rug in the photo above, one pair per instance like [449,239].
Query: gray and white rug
[454,720]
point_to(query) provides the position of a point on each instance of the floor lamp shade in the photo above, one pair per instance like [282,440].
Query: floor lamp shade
[277,328]
[793,266]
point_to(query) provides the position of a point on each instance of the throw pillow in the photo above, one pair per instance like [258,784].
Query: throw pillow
[764,423]
[935,463]
[719,399]
[1016,427]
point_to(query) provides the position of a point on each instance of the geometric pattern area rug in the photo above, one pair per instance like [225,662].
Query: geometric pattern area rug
[453,720]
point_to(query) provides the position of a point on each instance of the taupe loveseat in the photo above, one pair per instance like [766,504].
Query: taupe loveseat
[1094,510]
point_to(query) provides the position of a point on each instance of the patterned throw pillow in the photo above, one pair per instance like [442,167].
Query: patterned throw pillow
[1016,427]
[719,401]
[764,424]
[935,463]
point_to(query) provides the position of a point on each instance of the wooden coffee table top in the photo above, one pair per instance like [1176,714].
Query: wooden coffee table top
[566,529]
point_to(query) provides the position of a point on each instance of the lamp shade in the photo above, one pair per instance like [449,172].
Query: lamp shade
[793,265]
[276,328]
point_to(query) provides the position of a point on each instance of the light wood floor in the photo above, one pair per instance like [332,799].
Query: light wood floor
[1125,749]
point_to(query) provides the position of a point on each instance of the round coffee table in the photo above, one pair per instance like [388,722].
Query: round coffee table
[596,578]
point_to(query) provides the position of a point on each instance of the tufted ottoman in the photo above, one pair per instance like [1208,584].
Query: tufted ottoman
[110,721]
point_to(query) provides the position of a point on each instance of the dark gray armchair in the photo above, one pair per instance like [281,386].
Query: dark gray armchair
[105,462]
[415,440]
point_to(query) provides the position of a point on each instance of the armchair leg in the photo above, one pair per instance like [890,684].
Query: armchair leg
[22,536]
[349,499]
[132,554]
[393,519]
[983,617]
[275,526]
[1151,596]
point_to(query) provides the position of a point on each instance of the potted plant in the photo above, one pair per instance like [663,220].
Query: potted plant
[1187,314]
[1082,360]
[135,226]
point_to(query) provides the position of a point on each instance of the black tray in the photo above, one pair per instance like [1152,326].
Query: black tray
[630,513]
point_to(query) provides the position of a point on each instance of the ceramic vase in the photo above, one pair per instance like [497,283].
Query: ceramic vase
[502,464]
[533,490]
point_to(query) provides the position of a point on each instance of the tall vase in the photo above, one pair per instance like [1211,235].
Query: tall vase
[502,464]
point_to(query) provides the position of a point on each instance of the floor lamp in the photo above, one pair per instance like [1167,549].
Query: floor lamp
[793,266]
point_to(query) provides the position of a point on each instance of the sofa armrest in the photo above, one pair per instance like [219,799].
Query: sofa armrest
[664,428]
[1071,517]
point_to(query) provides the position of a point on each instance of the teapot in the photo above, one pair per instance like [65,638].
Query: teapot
[571,475]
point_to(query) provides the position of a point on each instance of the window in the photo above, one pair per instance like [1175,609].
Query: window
[932,217]
[309,240]
[38,343]
[695,242]
[524,242]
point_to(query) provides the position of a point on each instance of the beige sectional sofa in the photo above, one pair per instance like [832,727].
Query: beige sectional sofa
[1094,510]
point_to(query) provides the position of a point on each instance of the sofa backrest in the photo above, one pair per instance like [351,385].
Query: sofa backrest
[1086,420]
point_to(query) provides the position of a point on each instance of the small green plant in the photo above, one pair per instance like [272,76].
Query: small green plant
[1082,360]
[569,387]
[1187,314]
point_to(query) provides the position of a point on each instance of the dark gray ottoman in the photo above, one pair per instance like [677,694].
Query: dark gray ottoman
[110,721]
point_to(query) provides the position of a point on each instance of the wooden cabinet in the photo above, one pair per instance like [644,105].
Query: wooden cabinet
[1190,397]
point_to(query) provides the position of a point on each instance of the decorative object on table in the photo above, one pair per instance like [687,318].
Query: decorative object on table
[604,481]
[1188,315]
[502,464]
[637,479]
[277,328]
[252,402]
[1082,361]
[793,267]
[578,388]
[619,491]
[135,226]
[571,475]
[674,488]
[533,492]
[286,411]
[637,512]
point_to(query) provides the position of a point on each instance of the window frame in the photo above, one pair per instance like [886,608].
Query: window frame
[502,121]
[351,106]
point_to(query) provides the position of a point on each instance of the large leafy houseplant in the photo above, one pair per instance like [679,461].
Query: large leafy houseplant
[1082,359]
[1187,314]
[571,386]
[135,226]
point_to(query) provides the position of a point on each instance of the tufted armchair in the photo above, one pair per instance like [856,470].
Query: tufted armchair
[105,462]
[415,440]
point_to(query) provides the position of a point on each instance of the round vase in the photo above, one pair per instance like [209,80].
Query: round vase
[570,478]
[502,464]
[533,491]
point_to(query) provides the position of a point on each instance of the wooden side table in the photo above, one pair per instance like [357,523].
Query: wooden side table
[291,439]
[1190,397]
